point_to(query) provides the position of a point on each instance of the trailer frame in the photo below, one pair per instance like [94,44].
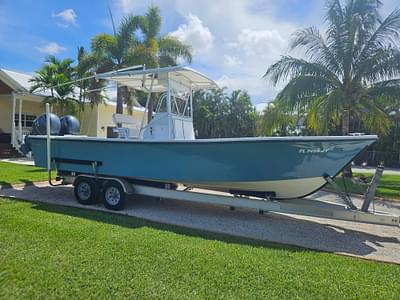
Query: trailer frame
[302,207]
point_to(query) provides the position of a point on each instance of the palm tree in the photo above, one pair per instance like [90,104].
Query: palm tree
[241,115]
[55,75]
[89,89]
[350,73]
[126,48]
[209,109]
[110,51]
[275,121]
[217,114]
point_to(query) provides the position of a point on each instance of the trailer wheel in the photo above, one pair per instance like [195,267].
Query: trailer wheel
[85,190]
[113,195]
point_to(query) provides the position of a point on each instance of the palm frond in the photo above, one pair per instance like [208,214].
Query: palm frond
[153,19]
[324,112]
[312,42]
[374,118]
[275,120]
[170,49]
[289,67]
[382,65]
[140,55]
[335,33]
[388,90]
[314,117]
[301,90]
[386,34]
[126,33]
[104,45]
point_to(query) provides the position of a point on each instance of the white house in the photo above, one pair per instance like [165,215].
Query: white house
[19,107]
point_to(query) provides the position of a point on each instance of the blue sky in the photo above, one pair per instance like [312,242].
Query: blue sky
[234,40]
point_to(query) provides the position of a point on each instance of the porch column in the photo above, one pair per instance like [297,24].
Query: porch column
[14,100]
[20,120]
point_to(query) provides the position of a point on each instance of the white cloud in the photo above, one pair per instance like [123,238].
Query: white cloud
[51,48]
[234,41]
[67,18]
[231,61]
[253,84]
[262,43]
[195,34]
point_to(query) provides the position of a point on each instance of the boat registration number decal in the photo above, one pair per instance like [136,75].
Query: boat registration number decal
[314,150]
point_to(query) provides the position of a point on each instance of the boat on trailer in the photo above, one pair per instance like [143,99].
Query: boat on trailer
[163,153]
[279,168]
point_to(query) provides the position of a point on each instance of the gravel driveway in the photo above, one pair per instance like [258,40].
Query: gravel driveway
[375,242]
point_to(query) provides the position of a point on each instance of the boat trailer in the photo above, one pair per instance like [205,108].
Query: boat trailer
[113,191]
[305,207]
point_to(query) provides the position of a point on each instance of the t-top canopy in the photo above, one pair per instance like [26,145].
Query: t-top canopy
[142,79]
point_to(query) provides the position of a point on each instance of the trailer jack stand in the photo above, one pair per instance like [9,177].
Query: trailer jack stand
[344,196]
[369,194]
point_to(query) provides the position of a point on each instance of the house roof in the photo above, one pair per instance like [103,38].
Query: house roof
[19,82]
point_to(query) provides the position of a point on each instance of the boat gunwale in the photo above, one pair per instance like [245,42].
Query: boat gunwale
[216,140]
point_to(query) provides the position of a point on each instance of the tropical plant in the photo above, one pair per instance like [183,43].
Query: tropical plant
[110,52]
[81,72]
[208,109]
[241,115]
[138,41]
[349,74]
[276,122]
[90,89]
[55,76]
[218,115]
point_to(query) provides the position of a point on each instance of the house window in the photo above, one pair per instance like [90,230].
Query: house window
[26,119]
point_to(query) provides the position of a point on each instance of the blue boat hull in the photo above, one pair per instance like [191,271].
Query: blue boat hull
[289,167]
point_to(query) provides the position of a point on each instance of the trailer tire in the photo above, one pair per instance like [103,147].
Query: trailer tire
[85,190]
[113,195]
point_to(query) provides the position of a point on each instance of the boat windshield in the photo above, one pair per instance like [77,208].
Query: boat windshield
[180,104]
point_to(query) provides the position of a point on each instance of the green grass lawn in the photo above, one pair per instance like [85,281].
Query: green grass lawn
[11,173]
[389,186]
[49,251]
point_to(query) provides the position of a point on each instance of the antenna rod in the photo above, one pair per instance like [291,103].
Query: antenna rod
[112,19]
[95,76]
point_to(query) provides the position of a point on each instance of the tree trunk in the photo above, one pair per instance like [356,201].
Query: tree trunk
[122,96]
[347,171]
[346,122]
[120,101]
